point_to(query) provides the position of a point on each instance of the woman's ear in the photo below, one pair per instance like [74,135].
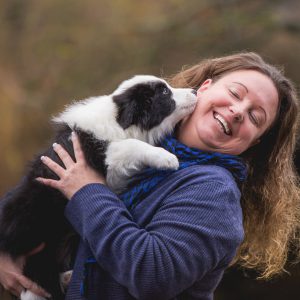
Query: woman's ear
[204,86]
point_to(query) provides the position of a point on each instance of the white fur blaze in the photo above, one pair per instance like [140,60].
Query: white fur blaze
[127,157]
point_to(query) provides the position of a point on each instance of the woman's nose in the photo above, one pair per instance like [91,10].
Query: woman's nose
[238,117]
[237,114]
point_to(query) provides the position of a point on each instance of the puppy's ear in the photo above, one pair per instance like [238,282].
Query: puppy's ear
[126,109]
[134,105]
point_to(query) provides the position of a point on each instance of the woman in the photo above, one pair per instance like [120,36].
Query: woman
[176,242]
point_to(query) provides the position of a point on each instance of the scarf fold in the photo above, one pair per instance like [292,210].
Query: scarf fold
[146,181]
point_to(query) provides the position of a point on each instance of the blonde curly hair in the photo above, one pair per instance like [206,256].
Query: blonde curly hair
[271,195]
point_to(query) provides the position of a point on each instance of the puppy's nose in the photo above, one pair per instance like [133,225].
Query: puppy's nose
[194,92]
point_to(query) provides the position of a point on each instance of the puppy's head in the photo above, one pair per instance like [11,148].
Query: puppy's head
[148,101]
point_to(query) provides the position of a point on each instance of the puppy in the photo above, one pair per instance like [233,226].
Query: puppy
[118,134]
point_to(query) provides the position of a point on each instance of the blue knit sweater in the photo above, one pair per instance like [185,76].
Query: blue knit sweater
[175,244]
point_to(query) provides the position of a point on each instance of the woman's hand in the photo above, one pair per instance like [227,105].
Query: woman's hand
[12,278]
[75,175]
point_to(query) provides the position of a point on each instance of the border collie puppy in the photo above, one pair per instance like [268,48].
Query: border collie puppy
[118,134]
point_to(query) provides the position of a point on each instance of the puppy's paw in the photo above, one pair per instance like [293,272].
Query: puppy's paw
[164,160]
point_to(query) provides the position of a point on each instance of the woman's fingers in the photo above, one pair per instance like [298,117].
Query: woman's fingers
[53,166]
[75,176]
[77,147]
[15,288]
[32,286]
[49,182]
[36,250]
[63,155]
[21,283]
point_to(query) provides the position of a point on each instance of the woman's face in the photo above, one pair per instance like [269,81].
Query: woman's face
[231,113]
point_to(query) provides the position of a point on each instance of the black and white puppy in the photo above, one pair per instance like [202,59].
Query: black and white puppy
[118,134]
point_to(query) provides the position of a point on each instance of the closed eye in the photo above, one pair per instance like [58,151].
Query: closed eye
[234,94]
[253,119]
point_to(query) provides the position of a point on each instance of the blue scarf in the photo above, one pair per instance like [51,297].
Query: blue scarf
[144,183]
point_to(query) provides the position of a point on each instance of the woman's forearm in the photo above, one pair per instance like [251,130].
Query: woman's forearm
[162,259]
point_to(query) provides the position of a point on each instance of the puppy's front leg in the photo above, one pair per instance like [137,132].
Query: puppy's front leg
[127,157]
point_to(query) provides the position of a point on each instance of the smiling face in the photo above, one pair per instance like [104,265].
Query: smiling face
[231,113]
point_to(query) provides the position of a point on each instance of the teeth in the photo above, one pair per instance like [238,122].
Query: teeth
[223,123]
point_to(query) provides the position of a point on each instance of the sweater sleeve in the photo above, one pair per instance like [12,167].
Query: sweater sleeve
[192,233]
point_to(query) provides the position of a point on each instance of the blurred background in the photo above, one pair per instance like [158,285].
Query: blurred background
[53,52]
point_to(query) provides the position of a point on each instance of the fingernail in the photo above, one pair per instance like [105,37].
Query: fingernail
[43,157]
[54,145]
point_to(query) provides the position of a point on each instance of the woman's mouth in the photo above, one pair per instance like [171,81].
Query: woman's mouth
[224,125]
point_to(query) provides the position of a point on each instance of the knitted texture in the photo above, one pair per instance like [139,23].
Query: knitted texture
[175,244]
[144,183]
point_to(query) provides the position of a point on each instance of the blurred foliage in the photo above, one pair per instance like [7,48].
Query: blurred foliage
[54,51]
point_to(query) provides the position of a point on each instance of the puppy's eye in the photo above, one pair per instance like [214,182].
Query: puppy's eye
[165,91]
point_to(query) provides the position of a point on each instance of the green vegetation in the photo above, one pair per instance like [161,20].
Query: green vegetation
[53,51]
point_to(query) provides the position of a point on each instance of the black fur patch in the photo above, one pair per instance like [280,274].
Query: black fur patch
[34,213]
[144,105]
